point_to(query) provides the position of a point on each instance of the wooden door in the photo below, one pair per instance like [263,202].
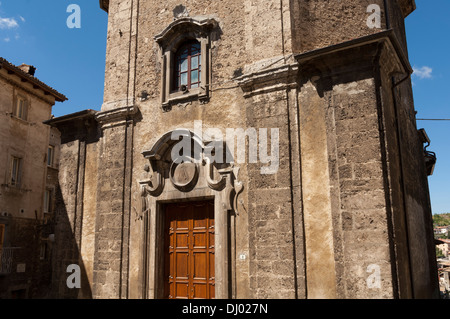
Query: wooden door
[189,251]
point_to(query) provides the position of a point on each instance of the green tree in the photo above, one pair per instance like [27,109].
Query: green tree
[439,253]
[441,219]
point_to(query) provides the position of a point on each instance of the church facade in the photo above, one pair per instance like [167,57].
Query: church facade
[248,149]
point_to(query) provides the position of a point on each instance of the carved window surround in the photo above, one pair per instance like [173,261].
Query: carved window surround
[179,31]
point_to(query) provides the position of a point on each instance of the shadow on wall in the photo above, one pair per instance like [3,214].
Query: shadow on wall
[70,278]
[66,253]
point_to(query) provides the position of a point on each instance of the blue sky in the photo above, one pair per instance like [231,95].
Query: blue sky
[429,46]
[73,62]
[70,60]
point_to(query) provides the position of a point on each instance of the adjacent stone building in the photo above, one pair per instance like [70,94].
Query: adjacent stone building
[343,213]
[28,181]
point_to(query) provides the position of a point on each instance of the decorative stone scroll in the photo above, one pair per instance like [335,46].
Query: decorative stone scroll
[185,176]
[213,184]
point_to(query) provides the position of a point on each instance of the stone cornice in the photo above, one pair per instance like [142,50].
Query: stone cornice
[118,116]
[277,78]
[356,51]
[407,6]
[82,115]
[81,126]
[104,4]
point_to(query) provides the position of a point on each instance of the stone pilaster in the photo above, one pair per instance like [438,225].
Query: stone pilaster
[274,214]
[113,204]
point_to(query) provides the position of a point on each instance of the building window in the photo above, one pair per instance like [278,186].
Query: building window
[43,251]
[187,67]
[50,155]
[48,205]
[16,166]
[20,108]
[48,195]
[185,47]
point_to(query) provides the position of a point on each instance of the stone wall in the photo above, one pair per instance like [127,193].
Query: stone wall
[318,24]
[75,211]
[27,139]
[26,274]
[409,190]
[272,206]
[27,230]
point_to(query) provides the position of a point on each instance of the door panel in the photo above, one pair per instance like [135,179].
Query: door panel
[189,249]
[182,290]
[182,265]
[182,241]
[200,291]
[199,270]
[199,240]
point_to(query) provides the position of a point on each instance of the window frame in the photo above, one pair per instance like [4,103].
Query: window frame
[48,197]
[20,111]
[18,170]
[43,251]
[170,96]
[178,71]
[50,157]
[178,32]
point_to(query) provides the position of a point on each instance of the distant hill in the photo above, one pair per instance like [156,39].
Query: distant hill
[441,219]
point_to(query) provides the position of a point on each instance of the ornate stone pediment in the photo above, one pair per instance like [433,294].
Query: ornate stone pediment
[197,27]
[195,171]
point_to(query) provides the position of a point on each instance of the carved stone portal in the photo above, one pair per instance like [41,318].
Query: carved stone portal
[164,180]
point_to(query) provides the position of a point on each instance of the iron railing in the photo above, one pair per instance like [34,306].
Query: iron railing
[6,259]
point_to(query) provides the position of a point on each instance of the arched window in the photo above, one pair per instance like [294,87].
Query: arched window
[187,70]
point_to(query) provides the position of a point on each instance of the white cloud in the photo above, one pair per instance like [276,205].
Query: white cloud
[424,72]
[8,23]
[6,39]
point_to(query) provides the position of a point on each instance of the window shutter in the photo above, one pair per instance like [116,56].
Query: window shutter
[15,102]
[19,175]
[16,171]
[20,109]
[25,110]
[13,172]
